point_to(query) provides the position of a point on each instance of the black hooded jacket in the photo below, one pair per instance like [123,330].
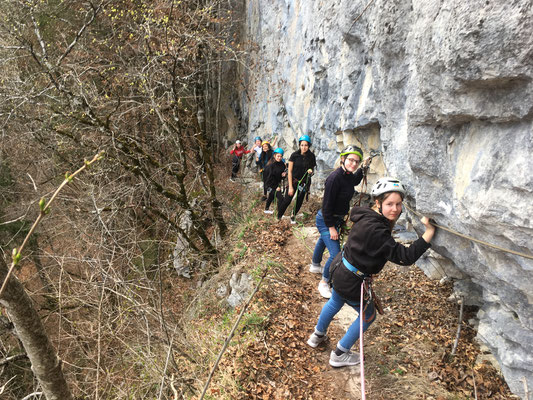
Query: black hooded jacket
[338,191]
[272,173]
[369,246]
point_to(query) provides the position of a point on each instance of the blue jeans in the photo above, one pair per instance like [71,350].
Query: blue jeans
[324,241]
[332,307]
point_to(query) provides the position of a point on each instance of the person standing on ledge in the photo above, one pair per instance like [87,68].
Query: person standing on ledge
[238,151]
[301,165]
[266,156]
[257,149]
[338,191]
[369,246]
[273,175]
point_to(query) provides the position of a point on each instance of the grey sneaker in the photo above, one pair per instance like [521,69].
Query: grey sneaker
[268,212]
[314,340]
[344,360]
[316,268]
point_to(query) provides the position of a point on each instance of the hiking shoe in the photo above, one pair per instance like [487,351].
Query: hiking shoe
[268,212]
[314,340]
[344,360]
[316,269]
[232,179]
[324,290]
[293,221]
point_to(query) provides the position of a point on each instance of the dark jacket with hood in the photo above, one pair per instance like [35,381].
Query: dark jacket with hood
[272,173]
[369,246]
[338,191]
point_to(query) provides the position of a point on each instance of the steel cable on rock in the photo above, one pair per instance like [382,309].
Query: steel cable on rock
[464,236]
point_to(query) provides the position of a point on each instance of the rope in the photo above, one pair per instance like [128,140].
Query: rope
[482,242]
[360,15]
[306,176]
[361,354]
[364,185]
[517,253]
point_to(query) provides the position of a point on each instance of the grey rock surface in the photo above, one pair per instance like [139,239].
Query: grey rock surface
[444,89]
[241,287]
[181,251]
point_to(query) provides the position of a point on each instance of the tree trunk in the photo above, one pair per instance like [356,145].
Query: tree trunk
[44,361]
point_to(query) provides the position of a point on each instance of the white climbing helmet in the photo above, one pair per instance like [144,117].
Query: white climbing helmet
[385,185]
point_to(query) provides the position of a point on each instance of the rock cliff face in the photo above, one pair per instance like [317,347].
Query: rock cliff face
[444,89]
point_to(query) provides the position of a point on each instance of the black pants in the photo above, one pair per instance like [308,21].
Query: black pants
[235,165]
[271,192]
[284,203]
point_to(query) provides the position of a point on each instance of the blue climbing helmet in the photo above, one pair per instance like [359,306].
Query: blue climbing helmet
[279,150]
[258,138]
[305,138]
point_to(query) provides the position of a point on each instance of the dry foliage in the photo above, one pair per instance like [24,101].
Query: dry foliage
[130,78]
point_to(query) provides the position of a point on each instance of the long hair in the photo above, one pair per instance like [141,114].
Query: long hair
[381,198]
[271,160]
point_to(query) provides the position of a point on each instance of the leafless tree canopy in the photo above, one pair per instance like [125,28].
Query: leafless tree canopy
[140,80]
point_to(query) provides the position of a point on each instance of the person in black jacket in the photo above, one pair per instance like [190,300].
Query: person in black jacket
[301,165]
[369,246]
[264,158]
[338,191]
[273,174]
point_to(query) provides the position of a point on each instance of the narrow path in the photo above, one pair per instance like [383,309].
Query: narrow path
[406,350]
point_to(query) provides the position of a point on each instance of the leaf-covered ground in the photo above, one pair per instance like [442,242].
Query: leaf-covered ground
[407,350]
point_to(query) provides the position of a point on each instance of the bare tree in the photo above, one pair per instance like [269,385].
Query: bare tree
[30,330]
[128,77]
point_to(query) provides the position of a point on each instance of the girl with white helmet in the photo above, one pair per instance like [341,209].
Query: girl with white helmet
[338,191]
[369,246]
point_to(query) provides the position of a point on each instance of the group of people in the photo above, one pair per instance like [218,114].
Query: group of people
[369,245]
[282,181]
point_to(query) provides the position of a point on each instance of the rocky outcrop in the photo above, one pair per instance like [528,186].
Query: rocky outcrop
[444,89]
[241,286]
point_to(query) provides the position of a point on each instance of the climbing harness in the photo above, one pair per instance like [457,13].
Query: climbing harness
[367,279]
[364,185]
[301,189]
[367,297]
[361,353]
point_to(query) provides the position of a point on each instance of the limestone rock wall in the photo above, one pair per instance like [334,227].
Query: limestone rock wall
[444,89]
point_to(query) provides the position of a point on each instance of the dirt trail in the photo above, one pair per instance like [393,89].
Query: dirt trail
[406,350]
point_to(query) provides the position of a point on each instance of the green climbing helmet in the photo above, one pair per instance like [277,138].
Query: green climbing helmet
[352,150]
